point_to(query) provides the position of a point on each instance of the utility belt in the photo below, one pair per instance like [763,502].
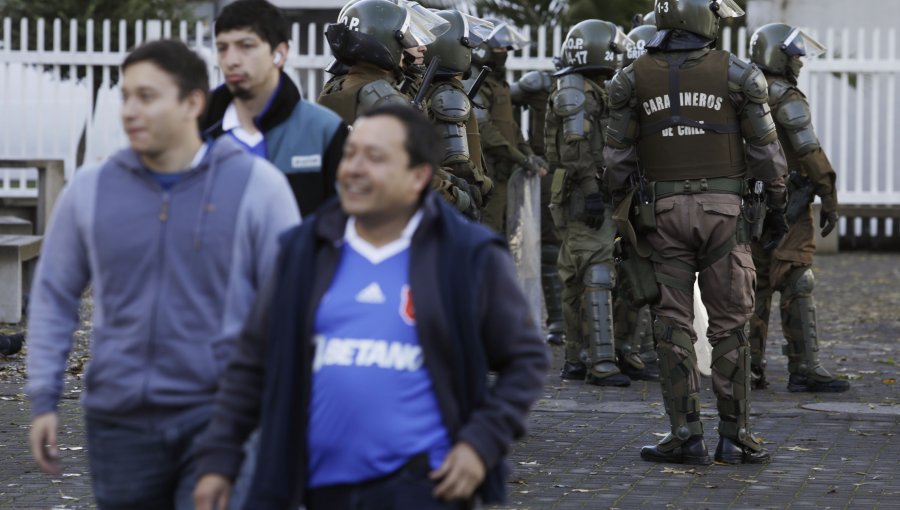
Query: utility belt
[662,189]
[645,281]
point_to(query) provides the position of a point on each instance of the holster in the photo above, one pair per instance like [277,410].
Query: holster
[641,287]
[643,213]
[753,216]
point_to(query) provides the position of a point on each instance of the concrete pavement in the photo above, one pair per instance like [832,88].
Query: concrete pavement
[830,450]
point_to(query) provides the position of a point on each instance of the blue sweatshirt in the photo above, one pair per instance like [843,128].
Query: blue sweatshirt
[173,275]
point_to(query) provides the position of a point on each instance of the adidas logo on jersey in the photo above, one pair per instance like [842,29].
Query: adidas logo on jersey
[372,294]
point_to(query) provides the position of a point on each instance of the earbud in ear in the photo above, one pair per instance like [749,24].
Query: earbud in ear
[276,59]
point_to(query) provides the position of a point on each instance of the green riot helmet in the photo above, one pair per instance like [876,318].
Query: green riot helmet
[637,43]
[700,17]
[377,31]
[454,47]
[772,46]
[592,45]
[503,36]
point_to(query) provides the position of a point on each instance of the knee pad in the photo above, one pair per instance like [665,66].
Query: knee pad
[804,282]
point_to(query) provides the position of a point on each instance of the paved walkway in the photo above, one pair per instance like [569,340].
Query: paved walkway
[830,451]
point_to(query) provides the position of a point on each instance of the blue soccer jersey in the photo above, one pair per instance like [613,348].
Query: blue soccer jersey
[373,406]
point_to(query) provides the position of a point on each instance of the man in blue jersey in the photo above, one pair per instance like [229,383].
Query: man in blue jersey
[174,236]
[365,361]
[261,108]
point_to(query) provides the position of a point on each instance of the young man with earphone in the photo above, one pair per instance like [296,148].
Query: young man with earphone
[262,109]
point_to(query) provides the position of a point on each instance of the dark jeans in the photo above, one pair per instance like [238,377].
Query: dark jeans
[136,469]
[409,488]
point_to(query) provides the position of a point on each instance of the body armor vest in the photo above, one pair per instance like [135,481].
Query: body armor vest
[501,109]
[689,128]
[473,135]
[343,100]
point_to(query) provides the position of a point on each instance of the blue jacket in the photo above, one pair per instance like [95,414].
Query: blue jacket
[173,276]
[304,140]
[471,317]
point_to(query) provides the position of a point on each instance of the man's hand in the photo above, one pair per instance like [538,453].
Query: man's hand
[460,474]
[827,221]
[42,438]
[535,165]
[594,210]
[777,225]
[212,492]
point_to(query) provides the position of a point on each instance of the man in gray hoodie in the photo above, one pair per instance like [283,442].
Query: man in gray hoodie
[174,237]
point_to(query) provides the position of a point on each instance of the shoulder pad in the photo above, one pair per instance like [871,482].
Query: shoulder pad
[621,88]
[449,104]
[746,78]
[569,98]
[780,89]
[379,93]
[794,114]
[535,81]
[482,115]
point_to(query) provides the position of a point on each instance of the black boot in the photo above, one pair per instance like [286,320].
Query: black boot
[616,378]
[693,451]
[730,451]
[573,371]
[11,344]
[556,337]
[758,379]
[801,383]
[650,372]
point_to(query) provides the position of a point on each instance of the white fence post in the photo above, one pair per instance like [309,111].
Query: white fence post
[47,100]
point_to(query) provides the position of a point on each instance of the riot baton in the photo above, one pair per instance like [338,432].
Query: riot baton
[473,90]
[427,78]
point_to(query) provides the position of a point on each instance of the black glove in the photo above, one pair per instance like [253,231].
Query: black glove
[777,227]
[827,221]
[535,165]
[594,210]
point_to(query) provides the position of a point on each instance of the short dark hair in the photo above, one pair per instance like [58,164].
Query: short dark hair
[176,59]
[258,16]
[423,143]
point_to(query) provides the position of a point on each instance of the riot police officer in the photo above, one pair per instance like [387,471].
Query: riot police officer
[372,37]
[502,142]
[633,326]
[680,116]
[531,91]
[579,205]
[376,38]
[777,49]
[448,106]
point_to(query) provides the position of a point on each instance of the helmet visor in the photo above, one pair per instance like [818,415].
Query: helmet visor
[727,9]
[422,27]
[620,42]
[476,30]
[505,36]
[800,44]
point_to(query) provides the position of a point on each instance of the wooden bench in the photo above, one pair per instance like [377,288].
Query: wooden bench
[12,225]
[17,257]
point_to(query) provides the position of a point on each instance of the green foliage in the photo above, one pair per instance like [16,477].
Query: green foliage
[620,12]
[528,12]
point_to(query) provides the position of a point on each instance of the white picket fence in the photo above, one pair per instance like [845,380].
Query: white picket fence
[852,92]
